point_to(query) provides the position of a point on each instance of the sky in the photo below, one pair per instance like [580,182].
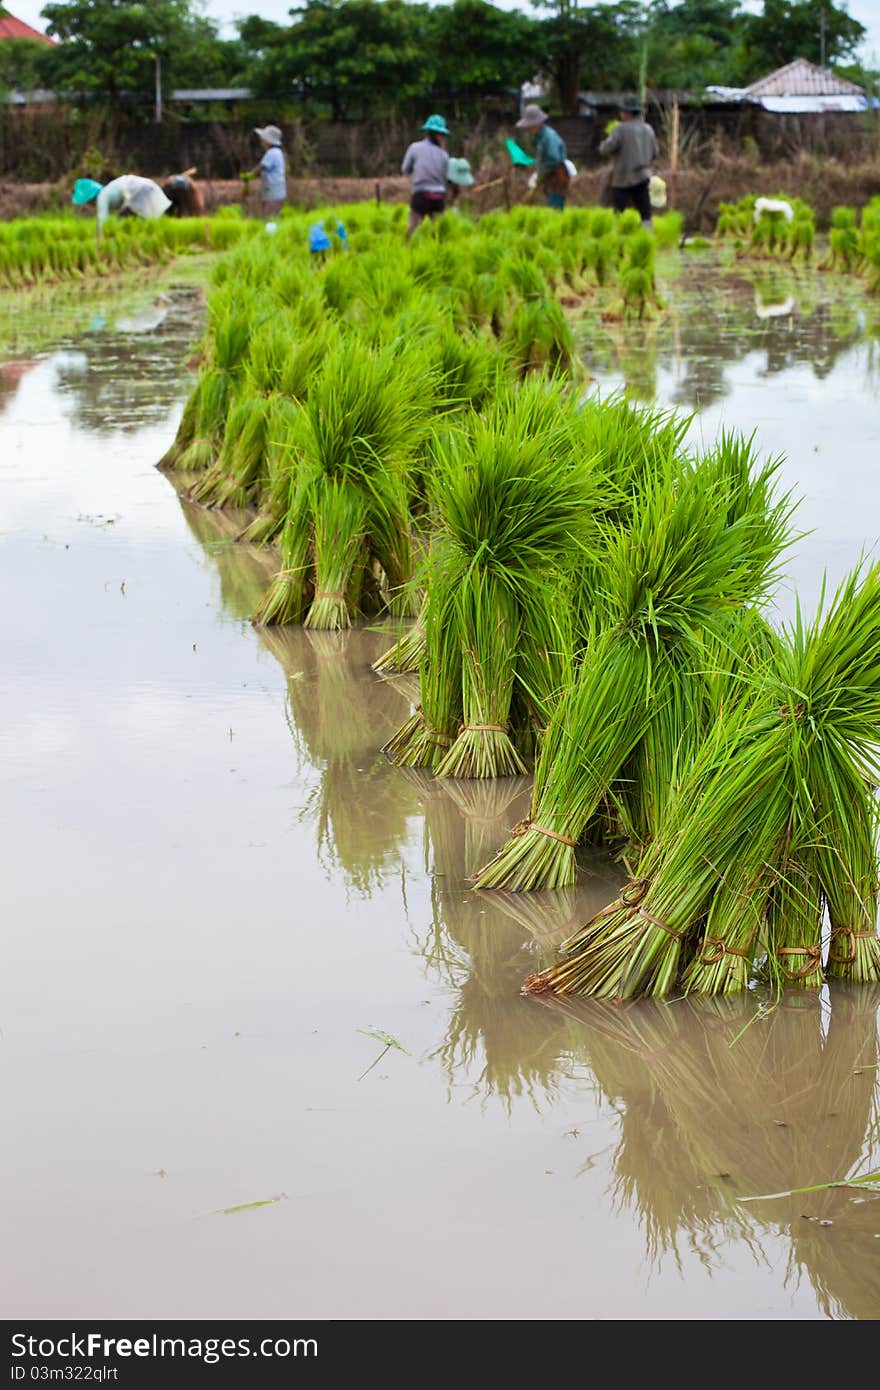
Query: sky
[225,11]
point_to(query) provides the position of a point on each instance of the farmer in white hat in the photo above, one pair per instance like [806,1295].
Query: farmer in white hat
[428,164]
[550,156]
[634,146]
[272,170]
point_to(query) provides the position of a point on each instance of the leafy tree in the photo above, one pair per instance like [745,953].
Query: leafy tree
[110,46]
[22,63]
[788,29]
[349,56]
[691,44]
[475,46]
[589,46]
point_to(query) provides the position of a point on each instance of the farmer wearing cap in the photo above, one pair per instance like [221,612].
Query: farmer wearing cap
[634,146]
[271,169]
[428,164]
[550,156]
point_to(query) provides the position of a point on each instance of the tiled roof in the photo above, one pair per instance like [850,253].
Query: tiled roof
[12,28]
[803,79]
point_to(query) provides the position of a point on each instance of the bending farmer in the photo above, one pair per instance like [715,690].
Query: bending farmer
[127,195]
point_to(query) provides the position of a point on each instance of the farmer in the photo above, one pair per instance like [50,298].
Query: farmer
[634,146]
[428,164]
[129,195]
[550,156]
[272,170]
[185,195]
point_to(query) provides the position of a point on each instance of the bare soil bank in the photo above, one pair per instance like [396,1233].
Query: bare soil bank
[824,184]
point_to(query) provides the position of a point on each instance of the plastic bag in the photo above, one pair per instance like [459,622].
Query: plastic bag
[657,191]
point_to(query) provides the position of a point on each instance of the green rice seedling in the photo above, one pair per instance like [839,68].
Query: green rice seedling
[511,509]
[487,617]
[280,449]
[408,651]
[425,738]
[186,433]
[801,235]
[340,535]
[358,430]
[289,596]
[212,393]
[668,227]
[539,338]
[793,922]
[236,477]
[679,567]
[628,224]
[758,796]
[843,239]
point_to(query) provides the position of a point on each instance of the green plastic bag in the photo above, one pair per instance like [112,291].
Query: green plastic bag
[518,155]
[84,190]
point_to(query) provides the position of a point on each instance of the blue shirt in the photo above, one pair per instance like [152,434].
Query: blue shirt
[549,150]
[273,183]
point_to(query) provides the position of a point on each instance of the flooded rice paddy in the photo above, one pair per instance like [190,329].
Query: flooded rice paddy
[220,899]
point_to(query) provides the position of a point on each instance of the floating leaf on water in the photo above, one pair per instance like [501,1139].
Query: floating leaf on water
[381,1037]
[250,1206]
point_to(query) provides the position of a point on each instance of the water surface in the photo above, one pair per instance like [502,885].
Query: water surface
[215,888]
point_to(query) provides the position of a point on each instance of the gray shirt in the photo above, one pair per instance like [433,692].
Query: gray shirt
[428,163]
[634,146]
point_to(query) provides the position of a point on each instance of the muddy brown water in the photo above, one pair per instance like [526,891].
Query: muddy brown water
[215,889]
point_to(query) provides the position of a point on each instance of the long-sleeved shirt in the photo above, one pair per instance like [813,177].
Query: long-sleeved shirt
[139,195]
[634,146]
[273,179]
[428,163]
[549,150]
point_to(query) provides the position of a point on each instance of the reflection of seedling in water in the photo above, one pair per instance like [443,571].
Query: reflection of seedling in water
[381,1037]
[869,1181]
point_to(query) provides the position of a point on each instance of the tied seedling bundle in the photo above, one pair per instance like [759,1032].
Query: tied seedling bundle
[700,543]
[775,818]
[346,544]
[231,318]
[512,505]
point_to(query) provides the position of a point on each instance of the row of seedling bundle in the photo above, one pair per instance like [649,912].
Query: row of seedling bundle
[600,603]
[328,381]
[590,597]
[785,227]
[45,250]
[854,242]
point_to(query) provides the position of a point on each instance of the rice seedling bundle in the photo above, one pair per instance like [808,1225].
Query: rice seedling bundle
[355,436]
[512,505]
[697,547]
[763,831]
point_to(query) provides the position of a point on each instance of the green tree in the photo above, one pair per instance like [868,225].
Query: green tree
[111,46]
[589,46]
[789,29]
[692,43]
[475,46]
[350,57]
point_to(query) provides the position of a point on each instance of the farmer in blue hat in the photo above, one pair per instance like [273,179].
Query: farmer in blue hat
[428,164]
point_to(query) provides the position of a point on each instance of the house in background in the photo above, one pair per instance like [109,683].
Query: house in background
[12,28]
[799,88]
